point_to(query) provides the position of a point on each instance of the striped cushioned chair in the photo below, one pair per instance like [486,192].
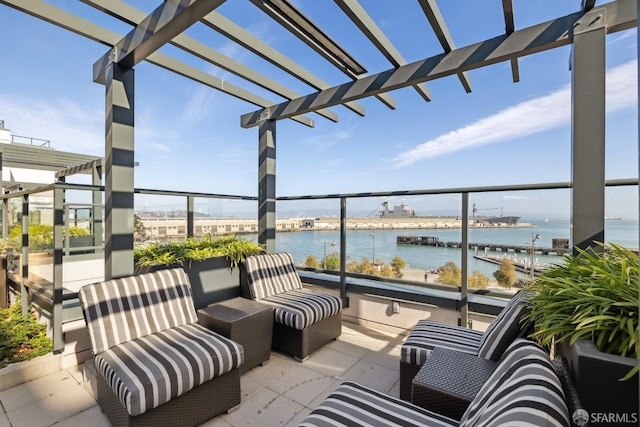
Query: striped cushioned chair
[427,335]
[154,363]
[523,390]
[304,321]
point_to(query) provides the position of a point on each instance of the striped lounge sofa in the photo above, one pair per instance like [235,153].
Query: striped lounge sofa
[155,365]
[523,390]
[304,321]
[427,335]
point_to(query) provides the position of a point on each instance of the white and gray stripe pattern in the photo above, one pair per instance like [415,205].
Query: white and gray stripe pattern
[427,335]
[354,405]
[271,274]
[505,328]
[523,390]
[151,370]
[121,310]
[301,308]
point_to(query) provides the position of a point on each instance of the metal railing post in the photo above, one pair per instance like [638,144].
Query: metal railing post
[343,252]
[189,216]
[464,291]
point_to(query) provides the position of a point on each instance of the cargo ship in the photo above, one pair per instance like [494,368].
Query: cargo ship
[508,220]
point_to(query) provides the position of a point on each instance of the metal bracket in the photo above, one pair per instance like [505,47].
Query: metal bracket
[591,21]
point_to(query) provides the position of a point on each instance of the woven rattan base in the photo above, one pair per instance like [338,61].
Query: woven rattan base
[407,372]
[301,343]
[192,408]
[247,322]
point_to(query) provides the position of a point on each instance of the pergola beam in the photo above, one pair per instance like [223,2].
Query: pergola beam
[620,15]
[168,20]
[510,27]
[432,12]
[247,40]
[363,21]
[122,11]
[293,20]
[58,17]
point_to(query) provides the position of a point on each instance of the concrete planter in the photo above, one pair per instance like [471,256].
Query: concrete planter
[21,372]
[212,280]
[596,375]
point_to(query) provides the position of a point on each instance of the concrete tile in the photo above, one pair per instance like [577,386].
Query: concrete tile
[330,362]
[32,391]
[298,418]
[373,375]
[218,421]
[248,386]
[347,347]
[387,356]
[301,384]
[91,417]
[278,365]
[53,408]
[265,408]
[4,420]
[395,390]
[323,395]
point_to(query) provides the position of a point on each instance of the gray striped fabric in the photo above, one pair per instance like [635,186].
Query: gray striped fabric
[271,274]
[523,390]
[427,335]
[121,310]
[505,328]
[301,308]
[149,371]
[354,405]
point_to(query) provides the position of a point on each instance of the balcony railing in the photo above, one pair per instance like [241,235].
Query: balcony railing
[53,297]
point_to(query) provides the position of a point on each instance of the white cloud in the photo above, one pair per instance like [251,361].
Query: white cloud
[68,125]
[526,118]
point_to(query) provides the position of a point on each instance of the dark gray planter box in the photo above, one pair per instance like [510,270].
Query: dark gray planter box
[596,375]
[212,280]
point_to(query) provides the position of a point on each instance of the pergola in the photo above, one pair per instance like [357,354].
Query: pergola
[585,30]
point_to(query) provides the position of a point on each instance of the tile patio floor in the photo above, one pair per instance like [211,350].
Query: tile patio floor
[281,393]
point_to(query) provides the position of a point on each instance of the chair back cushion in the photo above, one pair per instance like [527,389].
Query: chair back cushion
[523,390]
[124,309]
[271,274]
[505,328]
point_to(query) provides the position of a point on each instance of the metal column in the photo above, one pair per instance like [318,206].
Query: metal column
[119,160]
[5,232]
[96,209]
[588,130]
[58,223]
[267,186]
[24,293]
[464,288]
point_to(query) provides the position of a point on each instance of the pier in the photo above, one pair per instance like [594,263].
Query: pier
[494,247]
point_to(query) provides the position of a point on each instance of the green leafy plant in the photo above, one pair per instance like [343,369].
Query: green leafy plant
[21,337]
[592,295]
[231,247]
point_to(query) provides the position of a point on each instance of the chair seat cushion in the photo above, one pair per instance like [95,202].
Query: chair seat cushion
[146,372]
[352,404]
[427,335]
[301,308]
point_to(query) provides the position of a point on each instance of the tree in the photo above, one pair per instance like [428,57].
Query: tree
[478,280]
[312,261]
[138,229]
[366,267]
[332,261]
[506,275]
[450,274]
[397,264]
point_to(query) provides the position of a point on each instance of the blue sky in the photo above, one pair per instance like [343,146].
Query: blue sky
[188,136]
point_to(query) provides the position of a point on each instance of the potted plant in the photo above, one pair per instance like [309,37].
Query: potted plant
[209,262]
[588,307]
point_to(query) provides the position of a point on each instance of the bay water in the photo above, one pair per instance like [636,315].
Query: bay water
[363,244]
